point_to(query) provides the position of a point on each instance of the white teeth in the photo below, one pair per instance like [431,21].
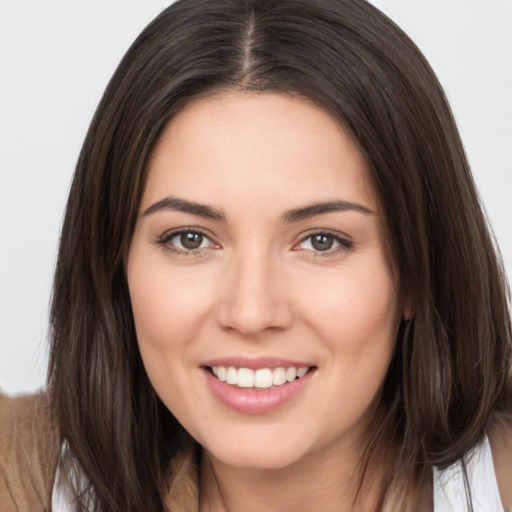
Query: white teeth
[264,378]
[245,378]
[278,376]
[291,373]
[302,371]
[221,373]
[231,375]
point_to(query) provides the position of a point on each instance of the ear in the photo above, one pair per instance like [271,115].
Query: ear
[408,309]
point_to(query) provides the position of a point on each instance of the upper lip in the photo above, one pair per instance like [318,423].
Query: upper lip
[256,363]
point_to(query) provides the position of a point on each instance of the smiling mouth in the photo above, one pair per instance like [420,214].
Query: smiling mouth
[263,378]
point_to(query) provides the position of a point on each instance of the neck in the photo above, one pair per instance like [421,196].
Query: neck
[317,482]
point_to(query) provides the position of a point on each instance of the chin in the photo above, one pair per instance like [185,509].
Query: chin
[257,452]
[256,458]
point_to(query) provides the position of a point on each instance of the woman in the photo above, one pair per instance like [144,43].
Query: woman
[275,286]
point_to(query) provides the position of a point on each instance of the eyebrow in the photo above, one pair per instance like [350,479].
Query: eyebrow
[312,210]
[295,215]
[174,203]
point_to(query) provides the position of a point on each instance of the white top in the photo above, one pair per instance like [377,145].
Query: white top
[450,491]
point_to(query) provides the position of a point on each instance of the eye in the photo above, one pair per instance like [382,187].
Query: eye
[324,243]
[190,241]
[185,241]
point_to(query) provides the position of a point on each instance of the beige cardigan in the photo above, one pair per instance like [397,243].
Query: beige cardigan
[29,450]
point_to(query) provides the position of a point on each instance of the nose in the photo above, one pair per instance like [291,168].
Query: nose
[254,298]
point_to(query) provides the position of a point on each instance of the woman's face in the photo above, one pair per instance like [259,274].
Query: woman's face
[258,256]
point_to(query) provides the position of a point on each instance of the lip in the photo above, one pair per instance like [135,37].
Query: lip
[252,401]
[257,363]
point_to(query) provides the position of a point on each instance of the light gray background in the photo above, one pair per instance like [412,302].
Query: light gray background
[55,60]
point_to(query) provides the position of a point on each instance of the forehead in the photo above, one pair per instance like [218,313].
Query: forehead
[247,145]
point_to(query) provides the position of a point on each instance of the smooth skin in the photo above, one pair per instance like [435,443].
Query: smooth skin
[228,260]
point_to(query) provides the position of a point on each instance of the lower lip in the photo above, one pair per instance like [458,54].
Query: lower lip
[252,401]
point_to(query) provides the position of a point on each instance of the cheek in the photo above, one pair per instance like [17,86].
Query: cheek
[168,312]
[356,320]
[356,314]
[166,303]
[355,308]
[169,309]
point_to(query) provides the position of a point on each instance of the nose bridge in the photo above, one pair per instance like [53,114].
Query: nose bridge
[254,300]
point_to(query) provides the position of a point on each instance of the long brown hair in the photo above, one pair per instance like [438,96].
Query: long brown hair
[451,372]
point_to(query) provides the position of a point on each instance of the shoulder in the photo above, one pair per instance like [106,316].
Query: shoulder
[500,439]
[29,448]
[25,418]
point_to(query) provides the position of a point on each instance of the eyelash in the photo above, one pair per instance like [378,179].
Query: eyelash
[165,241]
[344,245]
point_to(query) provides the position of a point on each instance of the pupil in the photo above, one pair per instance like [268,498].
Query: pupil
[322,242]
[191,240]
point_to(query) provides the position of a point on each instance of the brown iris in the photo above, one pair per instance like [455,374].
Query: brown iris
[191,241]
[322,242]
